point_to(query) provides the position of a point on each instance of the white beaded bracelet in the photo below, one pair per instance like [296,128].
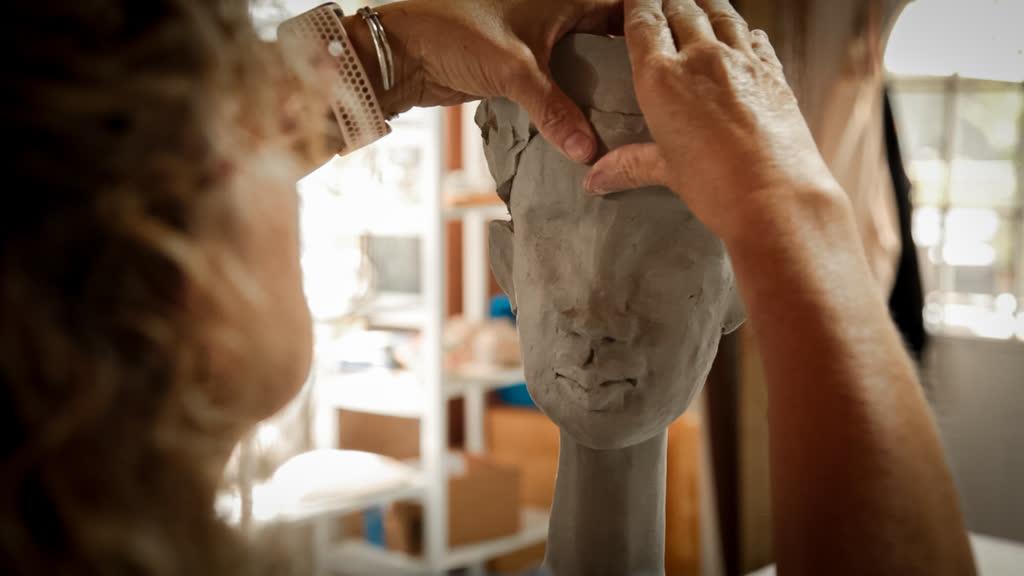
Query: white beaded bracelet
[356,109]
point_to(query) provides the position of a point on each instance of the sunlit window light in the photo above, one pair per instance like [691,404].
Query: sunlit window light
[971,38]
[933,314]
[979,321]
[968,254]
[970,225]
[962,145]
[268,435]
[1006,304]
[927,226]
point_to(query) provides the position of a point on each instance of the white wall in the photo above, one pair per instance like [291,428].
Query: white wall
[977,390]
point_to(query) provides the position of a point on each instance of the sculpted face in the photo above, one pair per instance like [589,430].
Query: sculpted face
[621,300]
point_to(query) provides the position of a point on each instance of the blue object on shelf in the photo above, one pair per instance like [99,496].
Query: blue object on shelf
[515,396]
[501,307]
[373,526]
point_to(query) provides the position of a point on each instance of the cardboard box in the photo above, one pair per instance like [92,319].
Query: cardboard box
[682,498]
[525,561]
[527,439]
[391,436]
[483,504]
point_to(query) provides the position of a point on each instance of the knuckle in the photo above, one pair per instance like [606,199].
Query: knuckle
[660,167]
[632,166]
[751,67]
[727,20]
[724,7]
[766,54]
[707,57]
[518,64]
[706,50]
[553,116]
[677,11]
[518,70]
[642,22]
[657,68]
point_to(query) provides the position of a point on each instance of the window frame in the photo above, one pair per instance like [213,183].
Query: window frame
[952,89]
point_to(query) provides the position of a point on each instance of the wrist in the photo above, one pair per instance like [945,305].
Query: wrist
[789,218]
[803,272]
[408,77]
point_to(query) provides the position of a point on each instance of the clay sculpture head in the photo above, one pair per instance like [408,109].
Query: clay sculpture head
[621,300]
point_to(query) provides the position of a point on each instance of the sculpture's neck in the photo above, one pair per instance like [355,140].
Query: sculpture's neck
[608,515]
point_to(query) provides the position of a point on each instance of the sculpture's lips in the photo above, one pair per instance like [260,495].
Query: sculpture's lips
[595,394]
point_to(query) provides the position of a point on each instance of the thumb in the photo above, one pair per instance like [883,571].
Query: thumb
[558,118]
[632,166]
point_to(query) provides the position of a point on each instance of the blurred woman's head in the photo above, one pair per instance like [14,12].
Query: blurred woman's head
[151,306]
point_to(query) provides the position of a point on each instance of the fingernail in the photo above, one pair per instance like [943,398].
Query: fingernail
[597,183]
[579,146]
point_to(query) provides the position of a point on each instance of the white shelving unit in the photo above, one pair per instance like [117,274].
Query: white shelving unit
[311,491]
[424,393]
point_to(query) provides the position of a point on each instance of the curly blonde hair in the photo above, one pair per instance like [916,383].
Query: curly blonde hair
[127,120]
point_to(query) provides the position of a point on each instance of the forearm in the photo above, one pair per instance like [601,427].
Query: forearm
[859,480]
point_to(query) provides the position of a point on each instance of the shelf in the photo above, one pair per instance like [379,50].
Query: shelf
[486,211]
[326,483]
[398,393]
[463,197]
[393,311]
[385,392]
[344,504]
[359,558]
[405,219]
[533,530]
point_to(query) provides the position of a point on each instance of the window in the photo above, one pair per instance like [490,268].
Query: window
[957,80]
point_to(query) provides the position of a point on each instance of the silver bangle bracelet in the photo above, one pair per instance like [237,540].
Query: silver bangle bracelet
[315,42]
[380,42]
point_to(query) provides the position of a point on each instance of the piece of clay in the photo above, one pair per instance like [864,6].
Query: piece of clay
[621,301]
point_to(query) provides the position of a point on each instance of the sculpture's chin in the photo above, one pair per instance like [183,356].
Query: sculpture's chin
[637,420]
[601,430]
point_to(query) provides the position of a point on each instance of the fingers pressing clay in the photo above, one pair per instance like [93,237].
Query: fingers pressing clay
[729,26]
[556,117]
[690,25]
[647,33]
[629,167]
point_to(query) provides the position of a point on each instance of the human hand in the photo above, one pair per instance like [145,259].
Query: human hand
[454,51]
[730,138]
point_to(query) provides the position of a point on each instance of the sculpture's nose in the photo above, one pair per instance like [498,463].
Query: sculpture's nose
[595,340]
[593,328]
[600,327]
